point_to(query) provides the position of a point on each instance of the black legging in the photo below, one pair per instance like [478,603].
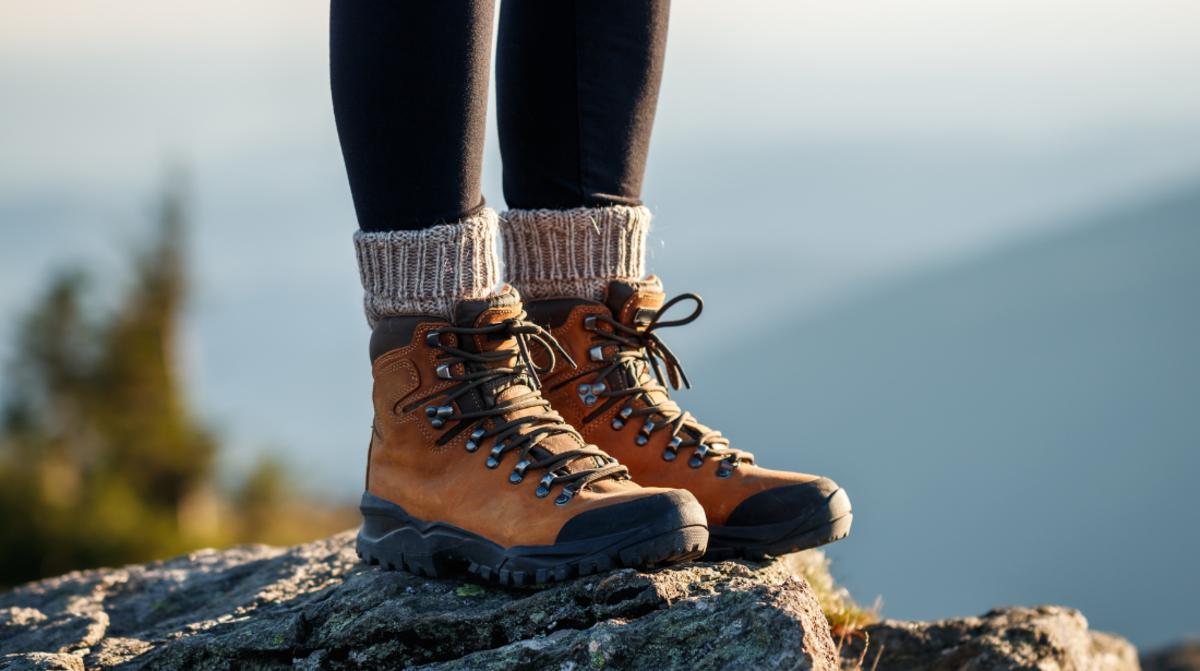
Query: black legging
[577,83]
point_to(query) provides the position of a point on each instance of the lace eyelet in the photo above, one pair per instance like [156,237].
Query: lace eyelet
[589,393]
[543,488]
[473,441]
[675,442]
[433,338]
[589,322]
[646,431]
[437,414]
[443,371]
[518,473]
[725,470]
[619,421]
[493,459]
[564,497]
[669,454]
[596,353]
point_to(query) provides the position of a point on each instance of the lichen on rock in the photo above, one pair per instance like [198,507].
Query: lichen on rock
[315,606]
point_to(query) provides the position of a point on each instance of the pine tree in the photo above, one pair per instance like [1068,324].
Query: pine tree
[101,461]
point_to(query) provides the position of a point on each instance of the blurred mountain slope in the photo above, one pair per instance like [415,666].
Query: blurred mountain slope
[1019,427]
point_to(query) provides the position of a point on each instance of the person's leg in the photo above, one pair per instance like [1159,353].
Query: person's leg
[462,441]
[576,88]
[409,83]
[577,82]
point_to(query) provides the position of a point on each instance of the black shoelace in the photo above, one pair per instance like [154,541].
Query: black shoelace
[639,350]
[488,373]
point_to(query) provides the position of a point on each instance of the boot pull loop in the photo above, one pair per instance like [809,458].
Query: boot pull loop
[661,312]
[657,350]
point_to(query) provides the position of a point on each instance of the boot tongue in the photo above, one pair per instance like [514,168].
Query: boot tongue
[480,312]
[634,302]
[505,304]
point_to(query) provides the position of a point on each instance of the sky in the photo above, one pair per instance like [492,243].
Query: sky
[88,81]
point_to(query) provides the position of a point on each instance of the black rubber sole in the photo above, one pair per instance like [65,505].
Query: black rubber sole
[824,525]
[391,538]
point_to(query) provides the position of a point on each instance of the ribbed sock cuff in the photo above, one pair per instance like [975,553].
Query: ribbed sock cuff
[425,272]
[574,253]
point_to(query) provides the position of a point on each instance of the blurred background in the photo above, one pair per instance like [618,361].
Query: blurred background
[976,226]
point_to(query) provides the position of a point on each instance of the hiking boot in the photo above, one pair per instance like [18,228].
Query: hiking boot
[470,467]
[618,399]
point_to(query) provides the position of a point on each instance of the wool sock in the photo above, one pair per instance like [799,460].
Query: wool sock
[574,253]
[425,272]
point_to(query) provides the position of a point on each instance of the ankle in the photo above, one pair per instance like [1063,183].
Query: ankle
[426,271]
[574,253]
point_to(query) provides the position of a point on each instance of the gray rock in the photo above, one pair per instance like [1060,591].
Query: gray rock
[1045,638]
[314,606]
[1183,656]
[41,661]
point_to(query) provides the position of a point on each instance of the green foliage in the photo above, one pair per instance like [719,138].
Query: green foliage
[102,462]
[98,453]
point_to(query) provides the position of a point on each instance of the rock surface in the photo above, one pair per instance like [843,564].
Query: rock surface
[1049,638]
[314,606]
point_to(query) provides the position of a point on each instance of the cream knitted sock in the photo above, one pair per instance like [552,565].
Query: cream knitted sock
[574,253]
[425,272]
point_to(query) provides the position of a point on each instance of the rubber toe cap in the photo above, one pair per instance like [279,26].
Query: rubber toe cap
[820,500]
[668,511]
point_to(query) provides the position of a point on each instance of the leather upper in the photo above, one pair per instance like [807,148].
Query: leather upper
[629,303]
[446,482]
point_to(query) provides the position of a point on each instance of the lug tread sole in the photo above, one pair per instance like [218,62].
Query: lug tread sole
[684,544]
[834,530]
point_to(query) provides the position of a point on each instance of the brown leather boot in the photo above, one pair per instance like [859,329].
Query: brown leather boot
[470,466]
[618,399]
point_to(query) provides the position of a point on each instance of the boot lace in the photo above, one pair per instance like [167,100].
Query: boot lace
[639,350]
[489,373]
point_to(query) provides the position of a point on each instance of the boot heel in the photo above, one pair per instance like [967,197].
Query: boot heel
[390,538]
